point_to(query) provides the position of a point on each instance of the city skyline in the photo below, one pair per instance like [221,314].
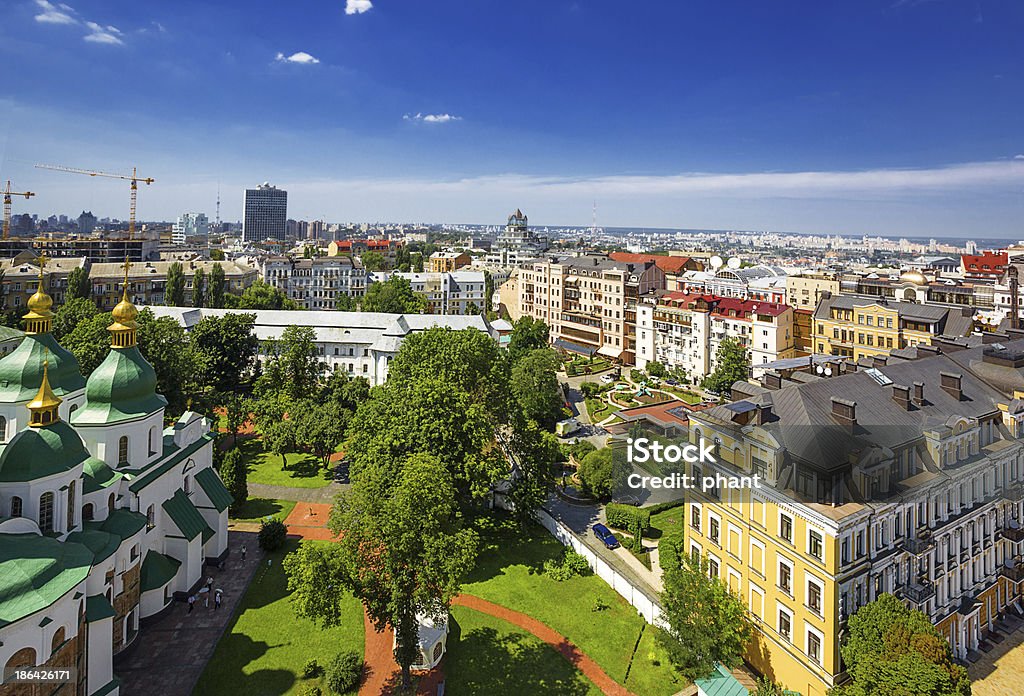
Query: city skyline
[891,118]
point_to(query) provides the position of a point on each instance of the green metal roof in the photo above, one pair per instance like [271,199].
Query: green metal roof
[36,571]
[108,688]
[7,333]
[123,387]
[21,370]
[158,570]
[96,475]
[185,515]
[35,453]
[102,544]
[97,607]
[214,488]
[124,523]
[153,474]
[720,683]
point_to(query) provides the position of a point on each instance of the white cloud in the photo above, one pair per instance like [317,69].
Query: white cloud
[301,57]
[357,6]
[55,14]
[103,34]
[431,118]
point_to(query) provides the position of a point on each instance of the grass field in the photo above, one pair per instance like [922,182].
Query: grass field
[599,409]
[668,521]
[266,645]
[255,509]
[488,655]
[510,572]
[303,470]
[647,674]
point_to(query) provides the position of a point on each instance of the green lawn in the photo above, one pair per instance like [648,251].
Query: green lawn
[265,647]
[303,470]
[599,409]
[668,521]
[509,572]
[255,509]
[687,396]
[648,673]
[487,655]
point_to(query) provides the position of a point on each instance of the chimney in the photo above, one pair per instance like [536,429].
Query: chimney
[771,380]
[844,411]
[919,393]
[951,384]
[901,395]
[878,361]
[764,413]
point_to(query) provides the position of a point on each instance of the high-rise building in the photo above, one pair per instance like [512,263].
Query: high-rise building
[516,245]
[191,227]
[266,213]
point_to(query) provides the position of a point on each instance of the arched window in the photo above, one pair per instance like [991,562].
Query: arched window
[87,512]
[46,512]
[15,506]
[58,640]
[71,506]
[74,407]
[122,451]
[150,517]
[187,484]
[24,658]
[152,440]
[110,504]
[3,429]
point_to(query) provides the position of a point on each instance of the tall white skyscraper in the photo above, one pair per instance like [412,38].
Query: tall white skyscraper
[266,213]
[191,227]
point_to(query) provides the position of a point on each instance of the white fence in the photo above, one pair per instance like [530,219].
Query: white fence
[643,603]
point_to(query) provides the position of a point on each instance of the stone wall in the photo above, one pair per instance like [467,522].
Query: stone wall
[125,603]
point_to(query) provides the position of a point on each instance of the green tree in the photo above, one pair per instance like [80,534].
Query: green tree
[71,314]
[488,291]
[417,263]
[348,392]
[393,296]
[280,439]
[293,363]
[472,309]
[320,427]
[595,472]
[372,261]
[535,386]
[215,289]
[217,254]
[262,295]
[403,553]
[344,302]
[79,285]
[89,342]
[174,292]
[731,365]
[707,624]
[199,288]
[656,369]
[236,411]
[528,334]
[166,345]
[890,649]
[224,349]
[235,475]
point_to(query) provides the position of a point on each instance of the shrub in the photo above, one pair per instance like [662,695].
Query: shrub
[344,672]
[600,605]
[311,669]
[628,517]
[590,389]
[670,551]
[311,690]
[272,534]
[570,565]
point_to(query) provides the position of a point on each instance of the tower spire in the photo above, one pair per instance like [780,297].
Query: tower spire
[44,408]
[122,331]
[40,317]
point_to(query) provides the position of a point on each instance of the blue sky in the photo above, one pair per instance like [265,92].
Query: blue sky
[894,117]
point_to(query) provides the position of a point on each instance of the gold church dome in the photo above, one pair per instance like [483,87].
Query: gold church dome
[914,276]
[40,302]
[125,312]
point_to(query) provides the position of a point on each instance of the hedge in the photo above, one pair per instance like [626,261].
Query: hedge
[670,550]
[662,507]
[628,517]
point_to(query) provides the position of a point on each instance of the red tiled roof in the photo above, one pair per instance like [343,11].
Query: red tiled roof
[722,306]
[669,264]
[992,263]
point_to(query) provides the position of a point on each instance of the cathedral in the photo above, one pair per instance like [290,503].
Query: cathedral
[105,514]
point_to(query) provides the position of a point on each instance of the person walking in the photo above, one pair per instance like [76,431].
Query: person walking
[243,552]
[191,603]
[206,600]
[209,583]
[216,600]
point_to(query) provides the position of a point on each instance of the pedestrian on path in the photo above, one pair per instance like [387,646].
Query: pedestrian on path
[206,600]
[209,583]
[216,600]
[191,603]
[243,552]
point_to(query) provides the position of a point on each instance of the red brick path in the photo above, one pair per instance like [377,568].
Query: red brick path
[309,521]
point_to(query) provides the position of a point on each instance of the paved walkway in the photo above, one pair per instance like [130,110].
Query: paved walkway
[309,521]
[999,672]
[315,495]
[172,651]
[383,675]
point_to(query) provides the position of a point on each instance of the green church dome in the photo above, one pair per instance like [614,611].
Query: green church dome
[121,388]
[35,453]
[21,371]
[36,571]
[96,475]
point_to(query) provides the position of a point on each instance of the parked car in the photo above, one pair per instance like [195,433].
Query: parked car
[605,536]
[607,379]
[672,382]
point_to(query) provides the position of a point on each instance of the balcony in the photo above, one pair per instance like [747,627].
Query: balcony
[1012,531]
[918,545]
[1012,570]
[1014,492]
[919,592]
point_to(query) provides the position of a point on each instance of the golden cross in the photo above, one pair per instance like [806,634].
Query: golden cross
[127,267]
[42,262]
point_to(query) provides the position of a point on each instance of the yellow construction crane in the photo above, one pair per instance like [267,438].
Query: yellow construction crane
[134,178]
[7,205]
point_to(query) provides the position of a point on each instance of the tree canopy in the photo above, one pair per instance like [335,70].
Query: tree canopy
[174,291]
[535,386]
[293,363]
[79,285]
[372,261]
[261,295]
[393,296]
[199,288]
[225,348]
[528,334]
[217,286]
[731,365]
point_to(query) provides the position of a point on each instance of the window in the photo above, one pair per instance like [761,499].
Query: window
[187,484]
[150,517]
[46,512]
[815,547]
[713,567]
[786,527]
[152,440]
[71,506]
[713,530]
[110,504]
[15,506]
[87,512]
[814,597]
[785,624]
[3,429]
[786,577]
[813,647]
[57,640]
[122,450]
[695,517]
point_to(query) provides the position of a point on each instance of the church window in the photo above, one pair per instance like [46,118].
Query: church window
[24,658]
[122,450]
[152,440]
[150,517]
[110,504]
[3,429]
[87,512]
[58,640]
[46,512]
[15,506]
[71,506]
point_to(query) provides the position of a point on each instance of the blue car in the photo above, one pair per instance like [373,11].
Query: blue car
[606,536]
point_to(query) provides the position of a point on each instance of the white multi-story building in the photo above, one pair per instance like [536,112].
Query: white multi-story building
[516,245]
[447,293]
[315,283]
[753,283]
[266,214]
[191,228]
[359,343]
[685,331]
